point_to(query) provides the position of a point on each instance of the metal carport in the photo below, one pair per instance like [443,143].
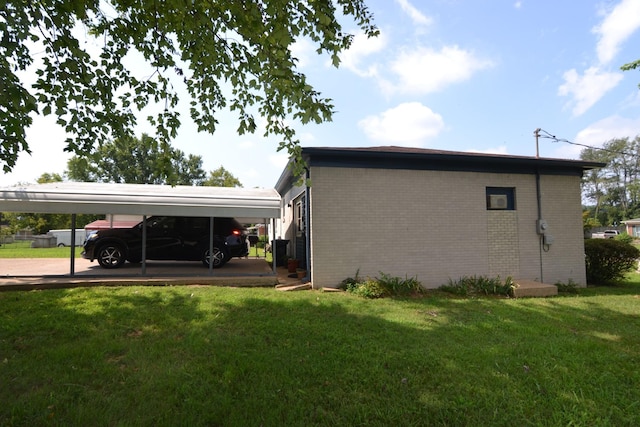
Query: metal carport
[247,205]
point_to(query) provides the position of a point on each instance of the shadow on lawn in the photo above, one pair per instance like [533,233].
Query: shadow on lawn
[206,356]
[626,287]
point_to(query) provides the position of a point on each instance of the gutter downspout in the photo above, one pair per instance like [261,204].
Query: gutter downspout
[536,133]
[540,236]
[307,225]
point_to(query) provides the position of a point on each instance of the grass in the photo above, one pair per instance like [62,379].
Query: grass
[202,356]
[23,249]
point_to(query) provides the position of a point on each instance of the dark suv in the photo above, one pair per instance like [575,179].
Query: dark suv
[169,238]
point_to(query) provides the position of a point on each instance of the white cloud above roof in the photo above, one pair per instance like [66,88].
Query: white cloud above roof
[361,48]
[616,28]
[409,124]
[617,25]
[425,70]
[587,89]
[607,129]
[416,16]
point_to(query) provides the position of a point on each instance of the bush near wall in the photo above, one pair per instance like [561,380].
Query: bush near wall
[383,286]
[607,260]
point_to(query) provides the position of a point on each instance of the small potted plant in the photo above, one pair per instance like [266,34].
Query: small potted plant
[292,265]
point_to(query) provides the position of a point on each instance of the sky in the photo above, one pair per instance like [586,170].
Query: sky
[477,76]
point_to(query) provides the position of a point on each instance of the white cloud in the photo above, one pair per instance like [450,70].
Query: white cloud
[596,134]
[302,49]
[616,28]
[408,124]
[502,149]
[607,129]
[424,70]
[362,47]
[416,16]
[587,89]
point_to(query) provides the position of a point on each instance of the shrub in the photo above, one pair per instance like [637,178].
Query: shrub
[474,285]
[568,288]
[350,281]
[607,260]
[624,237]
[369,288]
[385,285]
[457,287]
[398,286]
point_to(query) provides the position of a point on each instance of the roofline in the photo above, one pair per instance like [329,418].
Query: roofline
[444,155]
[139,199]
[426,159]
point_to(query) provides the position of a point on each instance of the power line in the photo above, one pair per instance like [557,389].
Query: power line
[554,138]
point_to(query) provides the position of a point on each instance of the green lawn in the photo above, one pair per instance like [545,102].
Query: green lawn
[203,356]
[23,249]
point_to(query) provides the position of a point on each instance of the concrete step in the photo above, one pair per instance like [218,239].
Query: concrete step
[298,287]
[530,288]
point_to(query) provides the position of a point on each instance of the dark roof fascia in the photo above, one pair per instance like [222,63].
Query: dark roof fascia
[444,161]
[286,180]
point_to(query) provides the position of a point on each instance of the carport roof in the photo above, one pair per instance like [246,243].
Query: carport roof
[140,199]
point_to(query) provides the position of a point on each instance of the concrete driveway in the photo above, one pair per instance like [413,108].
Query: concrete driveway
[37,273]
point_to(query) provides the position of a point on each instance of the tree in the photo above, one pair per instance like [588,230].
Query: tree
[229,54]
[594,180]
[589,222]
[631,66]
[49,177]
[615,187]
[137,161]
[222,178]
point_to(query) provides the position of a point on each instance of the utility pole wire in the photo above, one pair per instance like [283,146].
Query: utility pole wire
[556,139]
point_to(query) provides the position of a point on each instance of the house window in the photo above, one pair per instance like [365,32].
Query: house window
[299,216]
[501,198]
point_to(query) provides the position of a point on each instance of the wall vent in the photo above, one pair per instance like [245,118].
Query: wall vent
[497,201]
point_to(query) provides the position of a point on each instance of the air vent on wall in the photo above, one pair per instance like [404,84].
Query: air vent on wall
[497,201]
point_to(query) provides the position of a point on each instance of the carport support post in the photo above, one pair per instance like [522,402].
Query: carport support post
[210,246]
[266,233]
[144,245]
[73,245]
[273,248]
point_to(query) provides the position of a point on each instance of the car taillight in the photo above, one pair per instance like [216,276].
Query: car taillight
[236,232]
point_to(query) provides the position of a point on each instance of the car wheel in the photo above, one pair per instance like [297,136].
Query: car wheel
[110,256]
[219,257]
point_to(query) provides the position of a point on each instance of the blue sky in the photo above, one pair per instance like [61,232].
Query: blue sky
[445,74]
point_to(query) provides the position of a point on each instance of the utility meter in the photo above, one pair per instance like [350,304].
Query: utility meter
[542,226]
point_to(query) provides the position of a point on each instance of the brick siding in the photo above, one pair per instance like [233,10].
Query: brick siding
[435,225]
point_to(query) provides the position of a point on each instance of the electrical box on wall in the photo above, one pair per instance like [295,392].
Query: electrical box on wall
[542,226]
[547,239]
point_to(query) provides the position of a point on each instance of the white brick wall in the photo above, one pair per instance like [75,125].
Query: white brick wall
[502,242]
[434,225]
